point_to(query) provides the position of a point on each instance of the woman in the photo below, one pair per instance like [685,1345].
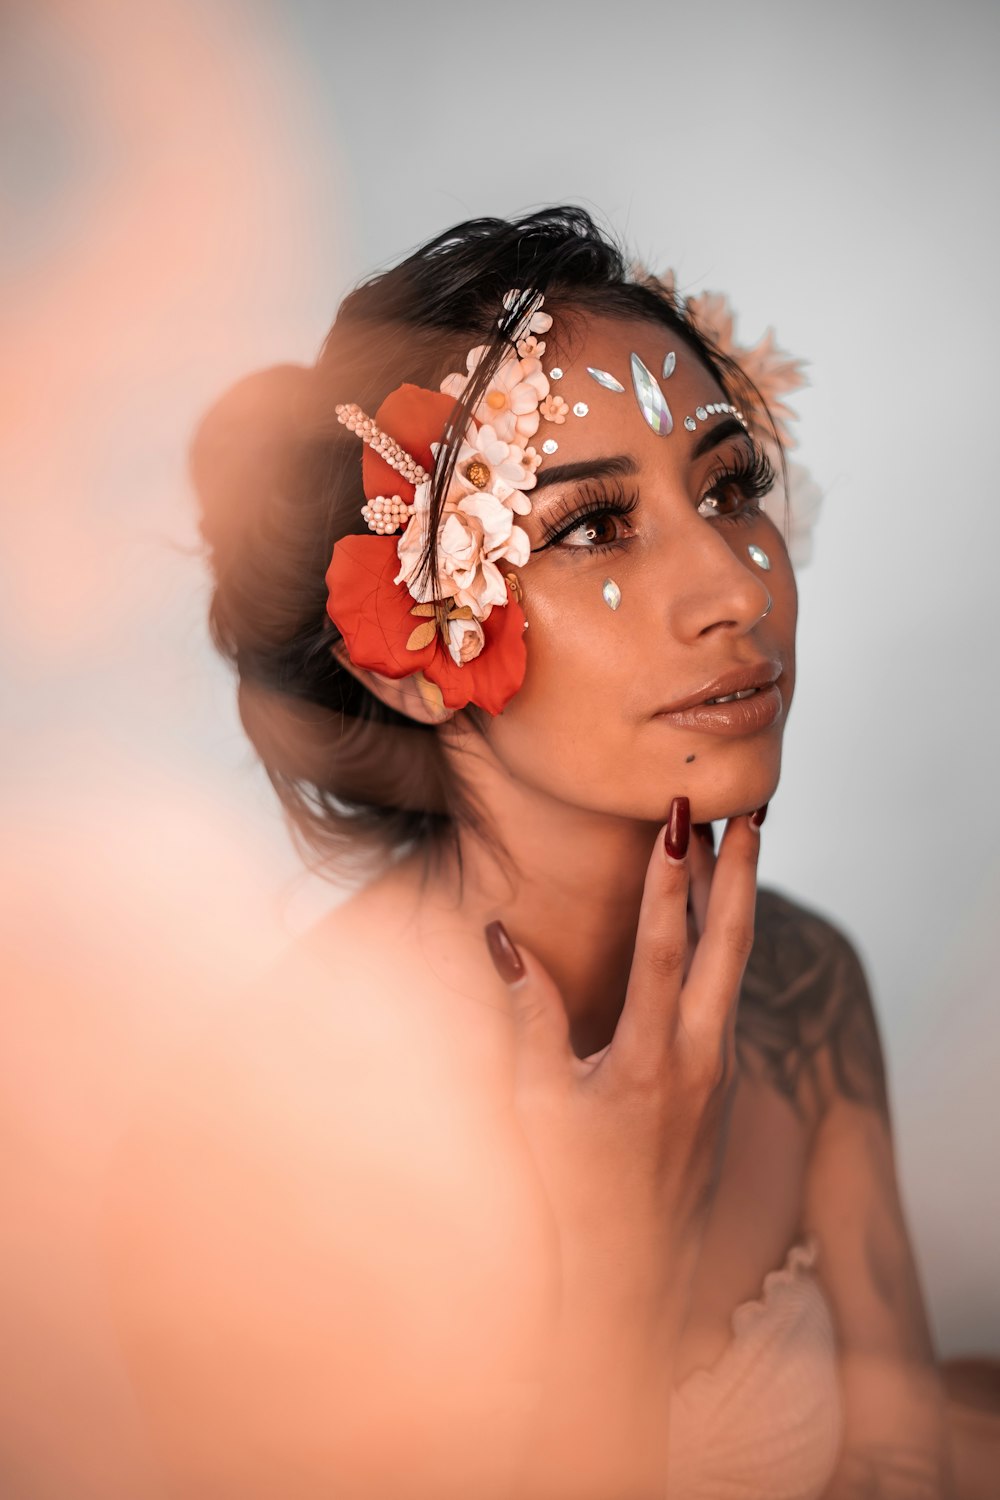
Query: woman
[557,1160]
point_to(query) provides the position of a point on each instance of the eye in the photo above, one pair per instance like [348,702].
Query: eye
[598,525]
[733,494]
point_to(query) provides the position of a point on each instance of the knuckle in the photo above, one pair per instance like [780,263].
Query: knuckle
[738,938]
[666,959]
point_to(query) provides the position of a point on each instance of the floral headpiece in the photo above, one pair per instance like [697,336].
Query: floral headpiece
[461,634]
[463,631]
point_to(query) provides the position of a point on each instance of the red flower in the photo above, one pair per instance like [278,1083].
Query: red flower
[376,616]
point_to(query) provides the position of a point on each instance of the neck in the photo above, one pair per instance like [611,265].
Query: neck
[570,894]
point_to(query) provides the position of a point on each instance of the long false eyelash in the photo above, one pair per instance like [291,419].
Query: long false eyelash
[612,500]
[750,469]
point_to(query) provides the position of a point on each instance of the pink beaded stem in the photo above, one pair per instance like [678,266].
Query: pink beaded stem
[355,420]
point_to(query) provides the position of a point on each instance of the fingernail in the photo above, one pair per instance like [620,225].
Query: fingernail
[506,959]
[705,831]
[678,830]
[757,818]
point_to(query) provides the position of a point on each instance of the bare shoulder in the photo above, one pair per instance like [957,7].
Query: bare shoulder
[287,1267]
[806,1015]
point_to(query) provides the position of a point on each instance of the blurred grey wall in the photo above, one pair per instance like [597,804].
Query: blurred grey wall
[188,189]
[832,169]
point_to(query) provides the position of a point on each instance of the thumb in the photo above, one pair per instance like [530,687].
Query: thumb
[541,1026]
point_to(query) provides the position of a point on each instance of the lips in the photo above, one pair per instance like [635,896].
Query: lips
[756,674]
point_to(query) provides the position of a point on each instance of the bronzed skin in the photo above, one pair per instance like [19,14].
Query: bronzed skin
[362,1208]
[577,773]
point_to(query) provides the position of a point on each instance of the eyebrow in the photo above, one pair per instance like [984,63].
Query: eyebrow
[715,435]
[586,468]
[622,463]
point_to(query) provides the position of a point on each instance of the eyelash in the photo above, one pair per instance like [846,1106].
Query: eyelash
[751,472]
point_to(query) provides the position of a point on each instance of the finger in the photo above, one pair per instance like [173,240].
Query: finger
[702,860]
[541,1026]
[649,1015]
[713,984]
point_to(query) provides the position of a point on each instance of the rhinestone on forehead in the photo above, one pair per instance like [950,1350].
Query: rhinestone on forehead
[603,378]
[669,365]
[654,408]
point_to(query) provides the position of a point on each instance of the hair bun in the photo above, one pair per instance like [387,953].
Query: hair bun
[244,445]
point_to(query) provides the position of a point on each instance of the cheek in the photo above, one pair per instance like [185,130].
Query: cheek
[580,657]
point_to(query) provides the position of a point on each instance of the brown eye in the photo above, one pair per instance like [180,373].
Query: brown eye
[600,530]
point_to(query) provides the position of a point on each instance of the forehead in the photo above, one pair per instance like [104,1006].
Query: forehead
[600,420]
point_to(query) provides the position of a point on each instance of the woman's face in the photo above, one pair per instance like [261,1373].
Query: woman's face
[587,726]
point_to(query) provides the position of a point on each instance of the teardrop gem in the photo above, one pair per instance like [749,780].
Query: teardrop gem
[650,399]
[669,365]
[603,378]
[760,557]
[612,593]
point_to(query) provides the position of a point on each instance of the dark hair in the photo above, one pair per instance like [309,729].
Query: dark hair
[279,482]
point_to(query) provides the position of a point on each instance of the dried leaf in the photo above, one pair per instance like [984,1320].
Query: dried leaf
[422,609]
[422,636]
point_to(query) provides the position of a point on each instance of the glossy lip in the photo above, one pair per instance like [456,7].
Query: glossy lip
[744,716]
[756,674]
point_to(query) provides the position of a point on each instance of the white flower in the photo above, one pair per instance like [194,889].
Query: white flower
[805,499]
[510,403]
[538,322]
[486,464]
[476,534]
[465,640]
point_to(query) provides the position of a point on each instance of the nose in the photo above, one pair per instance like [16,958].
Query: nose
[718,583]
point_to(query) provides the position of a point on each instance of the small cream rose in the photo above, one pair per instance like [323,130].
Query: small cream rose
[466,639]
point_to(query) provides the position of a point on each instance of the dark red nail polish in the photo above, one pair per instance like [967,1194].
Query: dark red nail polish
[506,959]
[757,818]
[678,830]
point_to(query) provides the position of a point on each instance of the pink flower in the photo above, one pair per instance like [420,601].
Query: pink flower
[771,369]
[553,409]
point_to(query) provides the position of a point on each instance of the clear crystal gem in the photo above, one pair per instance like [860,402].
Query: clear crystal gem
[612,593]
[550,446]
[759,556]
[580,409]
[555,374]
[603,378]
[650,399]
[669,365]
[690,423]
[701,413]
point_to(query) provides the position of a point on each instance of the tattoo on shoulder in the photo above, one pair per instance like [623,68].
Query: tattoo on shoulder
[806,1010]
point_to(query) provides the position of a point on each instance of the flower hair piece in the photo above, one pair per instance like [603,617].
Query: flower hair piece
[462,631]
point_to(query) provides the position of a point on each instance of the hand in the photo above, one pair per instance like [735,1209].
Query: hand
[627,1141]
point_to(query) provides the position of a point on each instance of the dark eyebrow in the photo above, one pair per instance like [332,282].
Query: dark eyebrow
[621,463]
[715,435]
[586,468]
